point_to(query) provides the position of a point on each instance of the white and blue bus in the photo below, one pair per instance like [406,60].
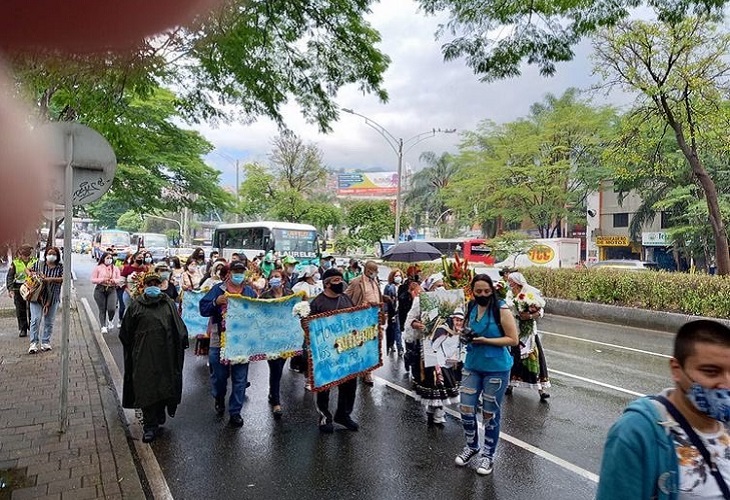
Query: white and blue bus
[253,238]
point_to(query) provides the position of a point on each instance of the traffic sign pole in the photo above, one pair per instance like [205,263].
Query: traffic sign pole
[66,294]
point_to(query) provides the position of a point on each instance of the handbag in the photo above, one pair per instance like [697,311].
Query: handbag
[31,289]
[697,442]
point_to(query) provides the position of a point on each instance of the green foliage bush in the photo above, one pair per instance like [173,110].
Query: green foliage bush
[697,294]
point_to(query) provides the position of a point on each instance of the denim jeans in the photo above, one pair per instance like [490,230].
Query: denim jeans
[491,385]
[276,367]
[36,313]
[219,374]
[120,301]
[393,337]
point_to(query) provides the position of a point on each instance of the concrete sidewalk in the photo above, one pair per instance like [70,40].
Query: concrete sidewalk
[92,459]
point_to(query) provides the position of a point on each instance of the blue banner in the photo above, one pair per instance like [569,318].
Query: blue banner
[258,329]
[197,325]
[342,345]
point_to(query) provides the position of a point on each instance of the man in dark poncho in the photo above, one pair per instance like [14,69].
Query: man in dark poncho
[154,338]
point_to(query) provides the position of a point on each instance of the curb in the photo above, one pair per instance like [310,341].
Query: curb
[150,467]
[131,484]
[624,316]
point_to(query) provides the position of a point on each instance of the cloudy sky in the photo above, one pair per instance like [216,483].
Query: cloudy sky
[425,92]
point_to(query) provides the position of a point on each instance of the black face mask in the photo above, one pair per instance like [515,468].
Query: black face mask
[139,261]
[337,288]
[483,300]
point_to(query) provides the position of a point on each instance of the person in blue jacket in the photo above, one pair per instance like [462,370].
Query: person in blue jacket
[649,454]
[213,305]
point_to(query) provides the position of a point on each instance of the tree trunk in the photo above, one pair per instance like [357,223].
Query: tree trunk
[722,250]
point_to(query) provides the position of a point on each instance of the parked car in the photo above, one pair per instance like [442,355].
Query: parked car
[625,264]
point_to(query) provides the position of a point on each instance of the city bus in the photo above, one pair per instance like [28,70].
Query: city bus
[254,238]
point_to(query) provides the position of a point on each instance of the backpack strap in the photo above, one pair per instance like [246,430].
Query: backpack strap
[697,442]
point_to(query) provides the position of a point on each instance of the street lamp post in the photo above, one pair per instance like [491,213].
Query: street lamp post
[237,163]
[398,145]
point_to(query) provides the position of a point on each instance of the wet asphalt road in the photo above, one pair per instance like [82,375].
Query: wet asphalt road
[395,455]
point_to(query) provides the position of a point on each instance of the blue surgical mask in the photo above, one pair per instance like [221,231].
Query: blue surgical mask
[326,264]
[148,260]
[165,276]
[275,282]
[237,279]
[715,403]
[152,291]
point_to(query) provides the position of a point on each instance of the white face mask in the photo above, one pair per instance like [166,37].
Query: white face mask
[108,262]
[398,280]
[51,258]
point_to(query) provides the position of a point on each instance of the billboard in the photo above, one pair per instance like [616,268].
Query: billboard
[381,184]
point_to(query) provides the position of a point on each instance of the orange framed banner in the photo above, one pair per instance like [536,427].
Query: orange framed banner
[342,345]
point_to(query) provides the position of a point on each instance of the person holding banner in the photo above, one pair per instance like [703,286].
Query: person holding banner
[490,332]
[213,305]
[365,289]
[334,299]
[277,289]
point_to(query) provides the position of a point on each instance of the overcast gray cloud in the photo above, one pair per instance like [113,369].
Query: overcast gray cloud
[425,92]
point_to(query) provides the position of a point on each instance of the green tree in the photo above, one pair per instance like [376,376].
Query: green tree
[496,38]
[130,221]
[539,168]
[510,244]
[257,191]
[369,221]
[298,165]
[243,60]
[426,194]
[106,211]
[680,72]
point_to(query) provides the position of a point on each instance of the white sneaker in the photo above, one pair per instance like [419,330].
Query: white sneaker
[110,325]
[103,330]
[485,466]
[33,348]
[45,347]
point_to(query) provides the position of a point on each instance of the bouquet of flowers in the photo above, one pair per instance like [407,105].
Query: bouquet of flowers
[457,274]
[529,302]
[301,309]
[502,290]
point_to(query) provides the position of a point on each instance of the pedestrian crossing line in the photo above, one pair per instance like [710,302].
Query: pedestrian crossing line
[606,344]
[596,382]
[511,439]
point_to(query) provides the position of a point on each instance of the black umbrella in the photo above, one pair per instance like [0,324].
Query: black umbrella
[411,251]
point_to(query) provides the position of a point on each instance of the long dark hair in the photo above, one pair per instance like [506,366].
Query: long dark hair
[493,305]
[104,256]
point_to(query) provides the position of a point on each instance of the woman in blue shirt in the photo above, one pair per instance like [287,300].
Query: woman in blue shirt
[486,370]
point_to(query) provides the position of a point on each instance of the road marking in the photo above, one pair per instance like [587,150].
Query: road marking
[596,382]
[517,442]
[616,346]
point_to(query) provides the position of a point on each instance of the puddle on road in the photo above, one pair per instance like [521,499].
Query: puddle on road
[11,480]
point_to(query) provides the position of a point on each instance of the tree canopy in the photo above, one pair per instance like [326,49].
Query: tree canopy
[496,38]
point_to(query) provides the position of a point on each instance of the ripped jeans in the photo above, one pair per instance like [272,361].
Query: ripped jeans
[491,385]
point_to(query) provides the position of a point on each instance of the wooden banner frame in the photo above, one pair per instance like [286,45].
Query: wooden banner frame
[307,342]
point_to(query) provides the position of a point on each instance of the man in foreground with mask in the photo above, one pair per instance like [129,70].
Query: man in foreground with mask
[333,299]
[154,338]
[676,444]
